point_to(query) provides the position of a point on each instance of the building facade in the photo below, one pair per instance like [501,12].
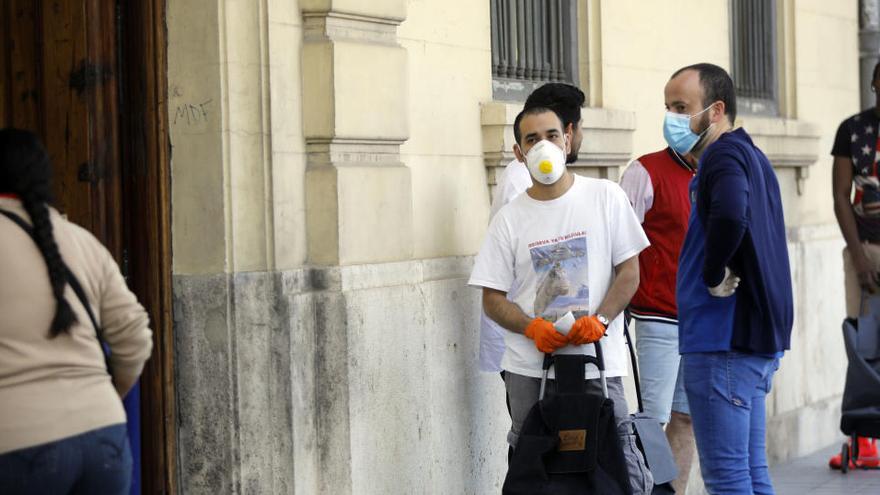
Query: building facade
[332,164]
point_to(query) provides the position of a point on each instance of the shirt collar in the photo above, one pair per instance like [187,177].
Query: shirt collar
[679,160]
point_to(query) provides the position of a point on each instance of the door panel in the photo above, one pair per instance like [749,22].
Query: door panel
[89,76]
[21,43]
[60,81]
[146,199]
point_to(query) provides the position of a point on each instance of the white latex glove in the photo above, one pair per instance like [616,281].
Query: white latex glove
[727,286]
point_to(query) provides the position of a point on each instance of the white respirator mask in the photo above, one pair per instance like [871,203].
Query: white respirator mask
[546,162]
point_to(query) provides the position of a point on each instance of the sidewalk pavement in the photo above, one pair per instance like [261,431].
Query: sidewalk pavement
[811,475]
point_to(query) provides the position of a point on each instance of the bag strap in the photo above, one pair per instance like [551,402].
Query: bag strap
[632,358]
[72,281]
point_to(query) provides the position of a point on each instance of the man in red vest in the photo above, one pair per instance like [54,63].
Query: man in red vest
[657,187]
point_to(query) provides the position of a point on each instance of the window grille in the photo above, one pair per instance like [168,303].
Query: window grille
[753,55]
[533,42]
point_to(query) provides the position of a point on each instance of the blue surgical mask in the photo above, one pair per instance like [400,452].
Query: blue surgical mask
[678,133]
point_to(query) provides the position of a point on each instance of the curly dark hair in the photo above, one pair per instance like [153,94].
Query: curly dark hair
[517,132]
[564,99]
[25,170]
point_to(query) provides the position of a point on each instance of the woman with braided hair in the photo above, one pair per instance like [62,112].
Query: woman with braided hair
[62,423]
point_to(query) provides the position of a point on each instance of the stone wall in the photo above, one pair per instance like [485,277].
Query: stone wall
[234,385]
[804,407]
[330,380]
[344,380]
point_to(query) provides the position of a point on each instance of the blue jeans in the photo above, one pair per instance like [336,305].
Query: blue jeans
[660,373]
[97,461]
[726,392]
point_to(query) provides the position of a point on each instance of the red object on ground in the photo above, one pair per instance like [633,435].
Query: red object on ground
[868,456]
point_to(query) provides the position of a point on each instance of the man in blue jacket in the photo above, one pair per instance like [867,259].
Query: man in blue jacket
[734,283]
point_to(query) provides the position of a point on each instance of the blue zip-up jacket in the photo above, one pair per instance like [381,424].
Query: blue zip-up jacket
[736,221]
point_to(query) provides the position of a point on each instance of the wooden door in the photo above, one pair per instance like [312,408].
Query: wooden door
[89,77]
[146,201]
[61,82]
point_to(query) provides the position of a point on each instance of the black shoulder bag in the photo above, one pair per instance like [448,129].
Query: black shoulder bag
[75,285]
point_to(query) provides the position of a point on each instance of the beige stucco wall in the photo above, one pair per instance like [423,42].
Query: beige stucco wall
[449,76]
[642,43]
[236,131]
[286,126]
[826,40]
[245,129]
[198,240]
[394,120]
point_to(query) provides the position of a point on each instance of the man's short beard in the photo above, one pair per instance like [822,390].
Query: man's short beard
[571,158]
[700,145]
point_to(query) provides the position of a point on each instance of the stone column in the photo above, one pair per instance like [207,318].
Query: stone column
[358,193]
[232,361]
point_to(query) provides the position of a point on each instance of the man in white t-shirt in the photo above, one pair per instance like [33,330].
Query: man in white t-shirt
[569,244]
[566,100]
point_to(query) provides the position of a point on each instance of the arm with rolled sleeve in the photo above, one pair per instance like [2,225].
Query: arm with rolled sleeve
[494,272]
[727,217]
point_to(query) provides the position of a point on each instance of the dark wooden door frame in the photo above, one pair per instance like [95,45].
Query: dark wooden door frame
[90,76]
[146,155]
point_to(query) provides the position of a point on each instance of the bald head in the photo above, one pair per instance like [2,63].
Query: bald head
[704,83]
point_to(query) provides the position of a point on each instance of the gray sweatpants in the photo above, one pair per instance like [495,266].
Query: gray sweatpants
[522,392]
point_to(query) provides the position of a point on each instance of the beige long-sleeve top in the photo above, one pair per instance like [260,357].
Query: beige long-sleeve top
[53,388]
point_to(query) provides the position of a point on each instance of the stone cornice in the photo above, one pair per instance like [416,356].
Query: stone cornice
[788,143]
[340,26]
[352,16]
[373,275]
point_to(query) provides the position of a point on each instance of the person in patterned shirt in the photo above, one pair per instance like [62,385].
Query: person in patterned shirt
[855,166]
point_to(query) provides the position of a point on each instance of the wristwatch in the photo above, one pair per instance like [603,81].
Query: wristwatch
[603,320]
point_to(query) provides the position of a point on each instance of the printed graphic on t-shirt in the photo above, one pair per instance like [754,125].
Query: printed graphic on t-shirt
[857,138]
[867,198]
[562,274]
[866,202]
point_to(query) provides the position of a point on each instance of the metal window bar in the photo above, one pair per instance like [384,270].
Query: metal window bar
[520,53]
[753,57]
[534,41]
[530,40]
[539,41]
[496,37]
[553,40]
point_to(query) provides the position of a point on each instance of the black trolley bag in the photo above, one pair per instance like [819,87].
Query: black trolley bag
[569,443]
[860,407]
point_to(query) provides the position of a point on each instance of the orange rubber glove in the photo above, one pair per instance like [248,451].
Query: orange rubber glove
[586,330]
[547,338]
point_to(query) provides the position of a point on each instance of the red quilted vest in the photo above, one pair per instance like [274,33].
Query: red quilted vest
[665,225]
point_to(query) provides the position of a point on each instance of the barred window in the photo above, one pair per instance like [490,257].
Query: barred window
[753,55]
[533,42]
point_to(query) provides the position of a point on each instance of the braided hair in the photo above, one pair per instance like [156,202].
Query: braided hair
[25,170]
